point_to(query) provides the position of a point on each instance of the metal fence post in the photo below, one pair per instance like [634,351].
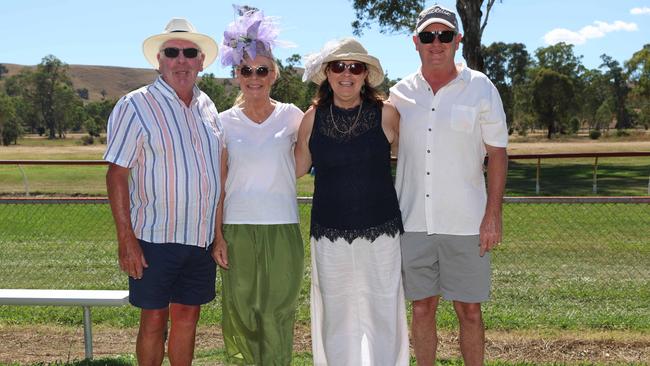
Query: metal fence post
[25,181]
[88,334]
[537,176]
[594,188]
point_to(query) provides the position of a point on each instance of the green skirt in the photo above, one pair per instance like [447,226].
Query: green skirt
[260,292]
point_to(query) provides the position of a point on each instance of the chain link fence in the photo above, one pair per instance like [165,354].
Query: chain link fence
[563,262]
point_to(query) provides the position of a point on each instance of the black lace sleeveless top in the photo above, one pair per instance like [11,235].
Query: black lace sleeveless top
[354,196]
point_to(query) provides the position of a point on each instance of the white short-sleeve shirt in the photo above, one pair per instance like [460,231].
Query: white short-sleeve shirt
[261,183]
[439,179]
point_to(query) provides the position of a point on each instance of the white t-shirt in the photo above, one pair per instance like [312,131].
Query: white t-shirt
[439,179]
[261,183]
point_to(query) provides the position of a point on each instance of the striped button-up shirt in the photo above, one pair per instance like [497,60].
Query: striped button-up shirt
[173,153]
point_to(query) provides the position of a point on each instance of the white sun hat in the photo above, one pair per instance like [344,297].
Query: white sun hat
[180,28]
[347,49]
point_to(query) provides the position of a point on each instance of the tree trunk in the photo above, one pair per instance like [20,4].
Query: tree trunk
[622,120]
[470,15]
[551,130]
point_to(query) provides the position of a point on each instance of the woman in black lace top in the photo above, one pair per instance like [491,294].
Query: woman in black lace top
[357,303]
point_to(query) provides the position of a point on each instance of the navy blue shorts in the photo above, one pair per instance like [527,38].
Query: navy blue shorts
[177,273]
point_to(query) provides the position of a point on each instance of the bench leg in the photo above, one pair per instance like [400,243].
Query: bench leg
[88,333]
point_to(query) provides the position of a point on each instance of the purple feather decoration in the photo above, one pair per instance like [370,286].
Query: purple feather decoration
[250,34]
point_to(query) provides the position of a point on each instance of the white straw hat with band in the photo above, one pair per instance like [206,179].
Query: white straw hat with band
[180,28]
[347,49]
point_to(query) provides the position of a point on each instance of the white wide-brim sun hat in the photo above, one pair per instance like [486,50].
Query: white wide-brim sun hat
[180,28]
[347,49]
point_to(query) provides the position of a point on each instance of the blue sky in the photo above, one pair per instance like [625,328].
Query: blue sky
[110,33]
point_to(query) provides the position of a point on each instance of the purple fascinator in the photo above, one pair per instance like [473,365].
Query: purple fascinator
[250,34]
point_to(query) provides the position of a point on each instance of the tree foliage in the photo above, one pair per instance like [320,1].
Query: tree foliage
[643,115]
[594,95]
[223,99]
[48,93]
[604,114]
[619,89]
[83,93]
[552,98]
[560,58]
[401,16]
[94,116]
[550,90]
[506,65]
[393,16]
[10,128]
[638,67]
[289,87]
[3,70]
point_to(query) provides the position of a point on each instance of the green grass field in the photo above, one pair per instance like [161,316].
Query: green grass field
[581,267]
[578,266]
[616,177]
[574,177]
[625,176]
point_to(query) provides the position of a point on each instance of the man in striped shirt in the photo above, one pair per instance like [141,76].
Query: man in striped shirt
[163,180]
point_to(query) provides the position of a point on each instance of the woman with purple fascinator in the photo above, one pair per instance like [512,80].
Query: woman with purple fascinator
[258,242]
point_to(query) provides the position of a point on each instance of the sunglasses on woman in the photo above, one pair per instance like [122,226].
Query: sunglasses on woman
[445,36]
[173,52]
[247,71]
[356,68]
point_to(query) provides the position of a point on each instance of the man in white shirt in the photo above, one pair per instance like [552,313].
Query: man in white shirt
[451,116]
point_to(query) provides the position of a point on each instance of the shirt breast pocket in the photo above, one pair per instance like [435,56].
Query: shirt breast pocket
[463,118]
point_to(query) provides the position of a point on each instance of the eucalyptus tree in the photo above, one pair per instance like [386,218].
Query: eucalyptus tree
[394,16]
[552,98]
[618,86]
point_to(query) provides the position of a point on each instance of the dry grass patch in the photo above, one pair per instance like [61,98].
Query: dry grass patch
[29,344]
[21,152]
[584,146]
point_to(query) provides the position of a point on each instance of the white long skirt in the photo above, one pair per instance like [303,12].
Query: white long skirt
[358,313]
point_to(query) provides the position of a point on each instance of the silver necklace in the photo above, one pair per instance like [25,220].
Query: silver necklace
[354,124]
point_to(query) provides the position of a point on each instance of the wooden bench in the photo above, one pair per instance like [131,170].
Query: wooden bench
[83,298]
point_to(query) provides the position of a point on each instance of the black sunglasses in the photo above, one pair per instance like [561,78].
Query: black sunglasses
[173,52]
[356,68]
[247,71]
[445,36]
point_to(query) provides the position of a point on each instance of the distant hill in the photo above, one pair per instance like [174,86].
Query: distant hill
[115,81]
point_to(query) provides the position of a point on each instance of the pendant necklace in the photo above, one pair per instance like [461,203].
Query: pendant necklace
[354,124]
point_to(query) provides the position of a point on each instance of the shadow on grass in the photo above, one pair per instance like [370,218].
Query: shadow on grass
[576,179]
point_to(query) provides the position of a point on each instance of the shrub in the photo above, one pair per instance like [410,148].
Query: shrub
[92,127]
[574,125]
[621,133]
[87,140]
[522,130]
[594,134]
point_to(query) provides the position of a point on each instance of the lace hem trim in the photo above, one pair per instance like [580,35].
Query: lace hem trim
[392,227]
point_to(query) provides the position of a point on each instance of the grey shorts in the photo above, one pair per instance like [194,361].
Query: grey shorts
[447,265]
